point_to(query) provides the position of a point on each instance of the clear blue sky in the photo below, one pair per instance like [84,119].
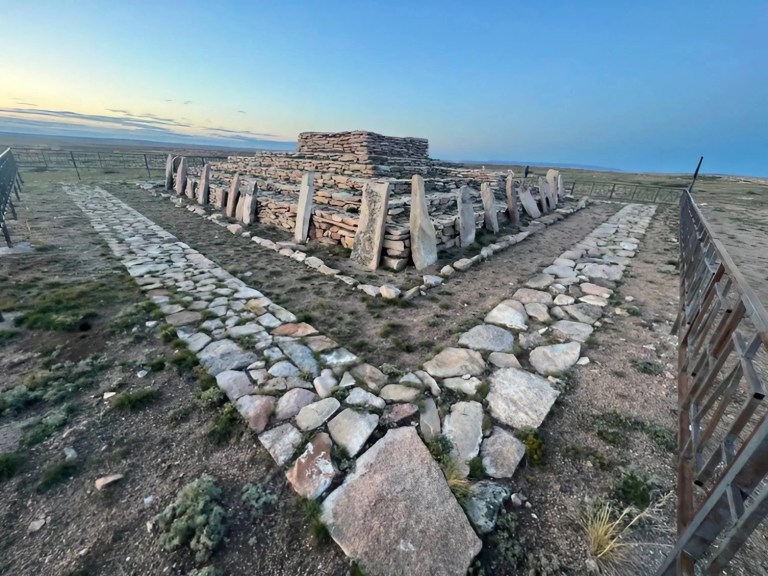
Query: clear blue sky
[632,85]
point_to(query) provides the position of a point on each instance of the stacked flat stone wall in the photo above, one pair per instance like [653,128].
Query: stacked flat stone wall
[343,164]
[363,143]
[335,217]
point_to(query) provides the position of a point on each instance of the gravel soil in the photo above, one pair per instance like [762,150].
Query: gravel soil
[158,449]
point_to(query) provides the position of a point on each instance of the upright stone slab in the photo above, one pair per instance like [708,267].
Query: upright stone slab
[466,217]
[181,176]
[491,220]
[512,208]
[250,204]
[233,196]
[529,204]
[369,238]
[189,192]
[546,197]
[396,515]
[560,187]
[203,190]
[552,176]
[304,211]
[169,173]
[423,236]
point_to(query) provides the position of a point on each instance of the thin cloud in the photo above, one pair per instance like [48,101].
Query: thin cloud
[187,102]
[127,120]
[242,112]
[147,127]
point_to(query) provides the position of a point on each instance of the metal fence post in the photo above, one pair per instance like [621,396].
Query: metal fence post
[146,163]
[72,155]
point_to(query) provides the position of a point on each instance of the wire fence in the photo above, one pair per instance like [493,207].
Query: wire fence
[44,159]
[10,184]
[623,192]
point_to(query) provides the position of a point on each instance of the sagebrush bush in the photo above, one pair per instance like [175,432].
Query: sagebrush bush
[195,518]
[257,499]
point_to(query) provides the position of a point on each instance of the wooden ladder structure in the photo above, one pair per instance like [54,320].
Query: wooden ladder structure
[723,424]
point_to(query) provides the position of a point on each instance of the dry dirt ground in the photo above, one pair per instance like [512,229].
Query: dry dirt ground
[617,414]
[158,448]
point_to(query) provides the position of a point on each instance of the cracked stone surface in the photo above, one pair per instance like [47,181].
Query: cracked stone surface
[397,482]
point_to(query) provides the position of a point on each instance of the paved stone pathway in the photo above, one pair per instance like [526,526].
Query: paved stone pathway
[303,393]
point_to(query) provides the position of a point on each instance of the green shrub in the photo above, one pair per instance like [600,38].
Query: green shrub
[662,437]
[204,380]
[17,398]
[636,488]
[157,365]
[184,360]
[195,518]
[10,464]
[135,399]
[317,529]
[257,499]
[6,336]
[211,398]
[534,445]
[476,468]
[226,426]
[441,449]
[41,429]
[645,366]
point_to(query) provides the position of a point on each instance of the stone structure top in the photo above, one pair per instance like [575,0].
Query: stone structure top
[362,143]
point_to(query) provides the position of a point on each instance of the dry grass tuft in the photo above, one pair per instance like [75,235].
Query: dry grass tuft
[457,482]
[610,534]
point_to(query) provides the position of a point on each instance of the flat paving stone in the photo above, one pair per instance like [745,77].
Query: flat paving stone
[540,281]
[315,414]
[351,429]
[301,356]
[256,410]
[528,296]
[234,384]
[569,330]
[464,428]
[281,442]
[519,399]
[184,318]
[555,359]
[510,314]
[488,337]
[501,453]
[396,515]
[455,362]
[364,399]
[399,393]
[314,471]
[223,355]
[289,404]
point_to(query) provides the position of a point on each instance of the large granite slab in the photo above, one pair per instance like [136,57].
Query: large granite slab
[395,514]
